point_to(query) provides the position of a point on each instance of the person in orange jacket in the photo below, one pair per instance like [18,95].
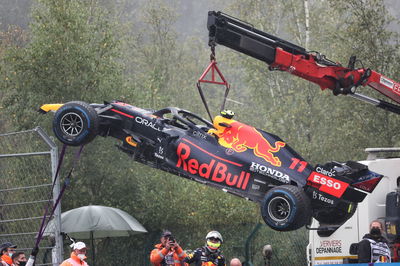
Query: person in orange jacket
[7,249]
[168,252]
[78,255]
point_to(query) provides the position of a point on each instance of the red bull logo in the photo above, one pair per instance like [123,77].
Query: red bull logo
[241,137]
[215,170]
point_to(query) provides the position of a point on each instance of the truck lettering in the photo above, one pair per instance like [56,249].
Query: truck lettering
[322,250]
[331,243]
[329,246]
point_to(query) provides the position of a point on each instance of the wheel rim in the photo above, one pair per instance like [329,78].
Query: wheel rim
[279,208]
[71,124]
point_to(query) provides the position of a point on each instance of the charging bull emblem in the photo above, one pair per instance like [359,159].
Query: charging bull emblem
[240,137]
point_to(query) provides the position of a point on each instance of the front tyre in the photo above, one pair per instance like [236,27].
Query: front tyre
[286,208]
[76,123]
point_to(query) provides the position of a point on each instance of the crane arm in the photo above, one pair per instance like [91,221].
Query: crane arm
[312,66]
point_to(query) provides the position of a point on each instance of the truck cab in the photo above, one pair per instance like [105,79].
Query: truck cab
[332,246]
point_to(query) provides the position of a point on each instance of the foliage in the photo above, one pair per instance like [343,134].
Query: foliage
[72,54]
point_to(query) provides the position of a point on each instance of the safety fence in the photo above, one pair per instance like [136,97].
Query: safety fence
[28,162]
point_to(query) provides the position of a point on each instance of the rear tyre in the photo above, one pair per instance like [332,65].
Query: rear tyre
[286,208]
[76,123]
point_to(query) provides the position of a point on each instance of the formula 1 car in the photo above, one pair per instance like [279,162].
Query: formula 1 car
[225,154]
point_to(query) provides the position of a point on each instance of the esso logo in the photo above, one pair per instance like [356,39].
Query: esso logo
[328,184]
[326,181]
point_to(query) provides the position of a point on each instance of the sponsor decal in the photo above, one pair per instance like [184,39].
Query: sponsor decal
[395,87]
[147,123]
[159,153]
[241,137]
[321,170]
[366,186]
[270,172]
[329,246]
[159,156]
[327,184]
[322,198]
[215,170]
[260,181]
[229,152]
[386,82]
[368,182]
[199,134]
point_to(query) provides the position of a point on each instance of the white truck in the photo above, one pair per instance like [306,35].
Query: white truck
[325,248]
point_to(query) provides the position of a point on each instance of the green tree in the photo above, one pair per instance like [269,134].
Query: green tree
[72,54]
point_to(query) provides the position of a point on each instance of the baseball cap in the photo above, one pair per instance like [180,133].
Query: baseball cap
[6,245]
[78,245]
[166,233]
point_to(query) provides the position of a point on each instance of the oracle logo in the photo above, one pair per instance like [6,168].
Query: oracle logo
[328,184]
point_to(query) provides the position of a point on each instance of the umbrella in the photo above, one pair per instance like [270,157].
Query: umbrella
[90,222]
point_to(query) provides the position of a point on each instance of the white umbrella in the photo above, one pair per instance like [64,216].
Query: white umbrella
[94,221]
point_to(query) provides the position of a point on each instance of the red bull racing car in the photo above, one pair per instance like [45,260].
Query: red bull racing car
[225,154]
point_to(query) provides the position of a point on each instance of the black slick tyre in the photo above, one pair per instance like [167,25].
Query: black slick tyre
[76,123]
[286,208]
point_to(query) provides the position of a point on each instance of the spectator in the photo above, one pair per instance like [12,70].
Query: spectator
[18,259]
[7,249]
[235,262]
[78,255]
[168,252]
[210,253]
[373,247]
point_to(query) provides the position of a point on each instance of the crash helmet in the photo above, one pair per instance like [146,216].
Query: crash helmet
[214,240]
[227,114]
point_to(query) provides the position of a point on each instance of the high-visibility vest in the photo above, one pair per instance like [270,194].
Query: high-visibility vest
[75,263]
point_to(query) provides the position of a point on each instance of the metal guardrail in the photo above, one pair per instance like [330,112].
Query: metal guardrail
[28,162]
